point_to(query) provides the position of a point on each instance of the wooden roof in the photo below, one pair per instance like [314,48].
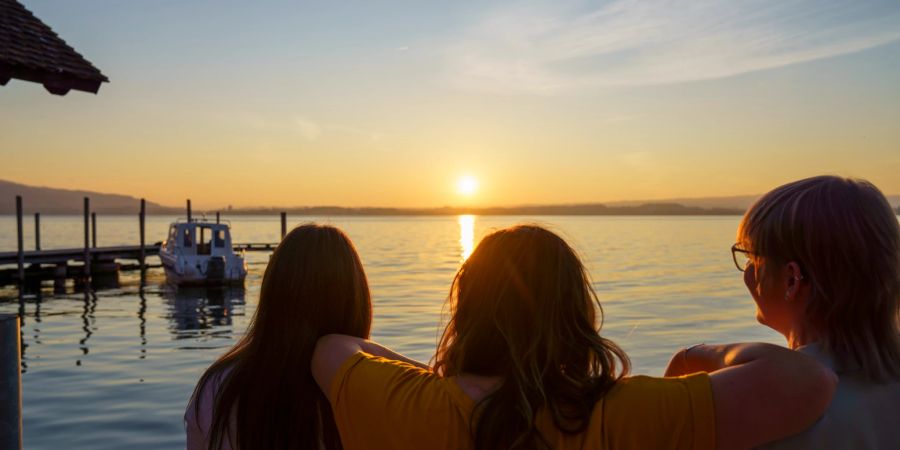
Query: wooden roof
[31,51]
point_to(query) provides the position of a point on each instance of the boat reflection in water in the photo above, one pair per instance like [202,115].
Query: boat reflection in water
[202,311]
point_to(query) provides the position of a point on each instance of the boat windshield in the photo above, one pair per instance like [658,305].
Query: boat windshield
[203,244]
[187,236]
[219,238]
[210,238]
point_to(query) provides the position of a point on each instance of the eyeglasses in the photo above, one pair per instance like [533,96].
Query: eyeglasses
[741,257]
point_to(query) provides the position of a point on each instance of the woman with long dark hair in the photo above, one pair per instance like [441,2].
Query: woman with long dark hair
[260,393]
[522,365]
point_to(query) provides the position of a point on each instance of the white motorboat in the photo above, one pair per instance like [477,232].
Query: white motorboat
[200,253]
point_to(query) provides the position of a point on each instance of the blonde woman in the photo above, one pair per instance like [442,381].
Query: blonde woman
[821,258]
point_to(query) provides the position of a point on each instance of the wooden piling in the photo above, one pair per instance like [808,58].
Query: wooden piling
[283,224]
[94,230]
[217,217]
[20,256]
[189,210]
[37,231]
[60,272]
[142,219]
[10,382]
[87,241]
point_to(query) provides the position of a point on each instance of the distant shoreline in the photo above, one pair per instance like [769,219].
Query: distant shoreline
[650,209]
[53,201]
[654,209]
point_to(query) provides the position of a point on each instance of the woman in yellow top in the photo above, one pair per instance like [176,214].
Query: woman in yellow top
[521,365]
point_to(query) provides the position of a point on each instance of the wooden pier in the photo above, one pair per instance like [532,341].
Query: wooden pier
[33,266]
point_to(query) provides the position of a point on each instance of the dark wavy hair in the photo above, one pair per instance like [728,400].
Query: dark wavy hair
[313,285]
[523,309]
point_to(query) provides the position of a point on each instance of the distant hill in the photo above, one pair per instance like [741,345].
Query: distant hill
[64,201]
[733,202]
[591,209]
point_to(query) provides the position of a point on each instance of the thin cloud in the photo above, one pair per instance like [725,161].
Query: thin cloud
[308,129]
[557,47]
[305,127]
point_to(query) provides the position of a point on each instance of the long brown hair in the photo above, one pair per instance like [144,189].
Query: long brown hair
[313,285]
[846,240]
[523,309]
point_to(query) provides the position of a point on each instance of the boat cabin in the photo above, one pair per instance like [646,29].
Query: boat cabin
[199,238]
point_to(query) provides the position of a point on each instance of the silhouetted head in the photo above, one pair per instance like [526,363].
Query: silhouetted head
[523,309]
[313,285]
[825,261]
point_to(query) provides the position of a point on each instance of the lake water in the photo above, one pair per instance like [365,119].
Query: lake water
[114,369]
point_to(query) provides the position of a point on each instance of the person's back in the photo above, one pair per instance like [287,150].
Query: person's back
[436,412]
[260,393]
[863,415]
[198,416]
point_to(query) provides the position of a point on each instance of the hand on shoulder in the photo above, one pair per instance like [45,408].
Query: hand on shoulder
[762,392]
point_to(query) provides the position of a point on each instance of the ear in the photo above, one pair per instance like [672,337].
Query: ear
[793,282]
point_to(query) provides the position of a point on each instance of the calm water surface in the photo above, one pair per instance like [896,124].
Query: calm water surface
[114,369]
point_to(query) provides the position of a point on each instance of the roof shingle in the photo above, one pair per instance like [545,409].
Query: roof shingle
[31,51]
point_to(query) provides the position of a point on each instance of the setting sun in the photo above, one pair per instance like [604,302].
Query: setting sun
[467,185]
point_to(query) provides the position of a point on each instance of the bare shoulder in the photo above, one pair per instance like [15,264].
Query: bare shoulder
[330,352]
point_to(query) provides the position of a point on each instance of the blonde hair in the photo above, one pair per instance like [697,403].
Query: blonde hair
[845,237]
[524,309]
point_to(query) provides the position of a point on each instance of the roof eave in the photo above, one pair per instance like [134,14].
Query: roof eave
[55,83]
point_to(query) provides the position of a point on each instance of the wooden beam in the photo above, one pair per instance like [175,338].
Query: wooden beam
[94,229]
[21,243]
[37,231]
[142,219]
[11,381]
[87,241]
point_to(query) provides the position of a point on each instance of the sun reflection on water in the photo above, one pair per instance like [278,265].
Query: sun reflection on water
[466,236]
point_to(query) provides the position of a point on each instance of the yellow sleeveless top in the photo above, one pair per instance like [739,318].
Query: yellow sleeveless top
[385,404]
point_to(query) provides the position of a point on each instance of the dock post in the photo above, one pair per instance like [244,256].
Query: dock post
[142,220]
[283,224]
[20,256]
[217,217]
[60,272]
[94,230]
[10,382]
[189,210]
[37,231]
[87,241]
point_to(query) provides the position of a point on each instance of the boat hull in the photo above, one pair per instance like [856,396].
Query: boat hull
[197,273]
[173,277]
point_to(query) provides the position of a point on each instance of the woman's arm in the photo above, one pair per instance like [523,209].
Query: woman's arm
[762,392]
[333,349]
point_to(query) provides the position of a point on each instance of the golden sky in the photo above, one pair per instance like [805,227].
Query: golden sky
[390,104]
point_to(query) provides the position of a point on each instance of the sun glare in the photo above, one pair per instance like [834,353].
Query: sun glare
[466,236]
[467,185]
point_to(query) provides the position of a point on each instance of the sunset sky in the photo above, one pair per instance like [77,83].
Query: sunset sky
[385,103]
